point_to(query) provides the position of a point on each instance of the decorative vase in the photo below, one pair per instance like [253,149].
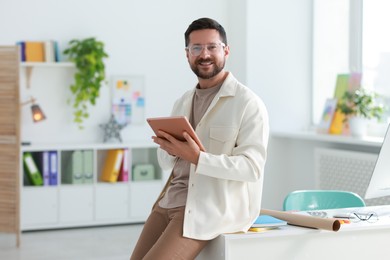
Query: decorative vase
[358,126]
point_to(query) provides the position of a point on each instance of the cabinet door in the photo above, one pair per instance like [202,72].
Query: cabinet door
[39,206]
[143,195]
[111,201]
[76,203]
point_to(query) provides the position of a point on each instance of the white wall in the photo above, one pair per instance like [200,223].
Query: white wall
[141,37]
[270,52]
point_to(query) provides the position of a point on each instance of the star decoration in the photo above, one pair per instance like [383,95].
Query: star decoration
[112,129]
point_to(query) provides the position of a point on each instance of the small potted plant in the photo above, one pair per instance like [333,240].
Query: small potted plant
[88,55]
[359,107]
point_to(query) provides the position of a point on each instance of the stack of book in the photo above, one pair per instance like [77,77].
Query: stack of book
[39,51]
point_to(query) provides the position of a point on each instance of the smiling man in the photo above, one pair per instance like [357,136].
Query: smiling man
[218,190]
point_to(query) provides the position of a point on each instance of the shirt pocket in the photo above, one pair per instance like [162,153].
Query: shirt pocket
[222,139]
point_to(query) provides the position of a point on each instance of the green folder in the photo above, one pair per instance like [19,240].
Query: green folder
[88,166]
[74,168]
[32,169]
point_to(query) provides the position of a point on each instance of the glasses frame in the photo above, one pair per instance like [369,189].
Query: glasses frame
[204,46]
[369,217]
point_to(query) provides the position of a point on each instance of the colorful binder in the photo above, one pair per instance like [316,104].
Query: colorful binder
[74,169]
[53,166]
[32,169]
[42,161]
[124,170]
[112,165]
[87,166]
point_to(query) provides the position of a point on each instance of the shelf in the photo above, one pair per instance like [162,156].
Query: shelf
[47,64]
[342,139]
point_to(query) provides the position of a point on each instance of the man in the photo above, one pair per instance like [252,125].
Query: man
[218,190]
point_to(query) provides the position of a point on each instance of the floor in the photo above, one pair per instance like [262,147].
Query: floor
[98,243]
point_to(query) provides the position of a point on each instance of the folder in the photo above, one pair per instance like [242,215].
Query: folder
[34,51]
[87,166]
[112,165]
[53,168]
[74,169]
[42,161]
[32,169]
[124,170]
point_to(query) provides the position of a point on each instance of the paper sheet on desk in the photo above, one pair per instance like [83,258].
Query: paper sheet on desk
[330,224]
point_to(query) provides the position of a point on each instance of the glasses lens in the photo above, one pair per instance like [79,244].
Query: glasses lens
[212,48]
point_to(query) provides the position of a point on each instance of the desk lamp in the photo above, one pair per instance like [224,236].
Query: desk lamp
[37,113]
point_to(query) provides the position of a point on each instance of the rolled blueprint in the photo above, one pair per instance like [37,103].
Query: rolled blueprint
[330,224]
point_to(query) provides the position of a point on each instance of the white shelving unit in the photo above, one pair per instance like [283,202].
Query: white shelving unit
[88,204]
[96,203]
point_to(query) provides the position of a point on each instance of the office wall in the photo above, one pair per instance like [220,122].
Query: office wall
[141,37]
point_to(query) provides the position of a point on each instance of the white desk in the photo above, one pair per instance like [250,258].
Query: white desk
[353,241]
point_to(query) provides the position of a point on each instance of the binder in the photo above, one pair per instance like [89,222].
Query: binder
[53,168]
[32,169]
[124,170]
[74,168]
[112,165]
[42,161]
[87,174]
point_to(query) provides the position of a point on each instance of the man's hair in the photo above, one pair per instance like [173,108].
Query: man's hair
[205,23]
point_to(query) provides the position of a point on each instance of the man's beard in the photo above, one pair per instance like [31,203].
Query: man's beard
[217,68]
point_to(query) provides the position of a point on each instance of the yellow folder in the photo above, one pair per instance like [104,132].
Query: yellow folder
[35,51]
[112,165]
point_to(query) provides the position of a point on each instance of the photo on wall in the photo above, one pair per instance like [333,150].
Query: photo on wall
[128,99]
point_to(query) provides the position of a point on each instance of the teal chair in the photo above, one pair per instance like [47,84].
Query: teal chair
[303,200]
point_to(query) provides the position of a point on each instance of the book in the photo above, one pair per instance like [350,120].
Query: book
[327,115]
[112,165]
[50,55]
[32,170]
[53,166]
[268,221]
[22,49]
[34,51]
[87,173]
[124,170]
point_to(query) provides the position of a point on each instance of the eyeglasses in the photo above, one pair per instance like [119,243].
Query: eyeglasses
[370,217]
[212,48]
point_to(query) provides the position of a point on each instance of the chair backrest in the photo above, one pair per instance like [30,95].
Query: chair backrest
[321,199]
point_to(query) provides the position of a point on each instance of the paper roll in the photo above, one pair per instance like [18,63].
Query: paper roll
[330,224]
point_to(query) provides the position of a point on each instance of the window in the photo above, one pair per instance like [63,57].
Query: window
[349,36]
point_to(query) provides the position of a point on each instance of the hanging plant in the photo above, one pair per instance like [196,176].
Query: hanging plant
[88,55]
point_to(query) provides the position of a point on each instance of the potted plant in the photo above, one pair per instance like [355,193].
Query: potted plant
[88,55]
[359,107]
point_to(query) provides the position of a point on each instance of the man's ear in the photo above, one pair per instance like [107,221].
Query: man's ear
[227,50]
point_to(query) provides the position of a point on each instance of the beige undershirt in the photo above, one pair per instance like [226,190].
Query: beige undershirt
[176,194]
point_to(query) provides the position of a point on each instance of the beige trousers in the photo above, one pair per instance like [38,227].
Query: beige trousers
[162,237]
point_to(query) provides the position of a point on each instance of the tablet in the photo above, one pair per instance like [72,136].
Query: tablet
[174,126]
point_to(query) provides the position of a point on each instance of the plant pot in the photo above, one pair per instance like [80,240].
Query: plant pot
[358,126]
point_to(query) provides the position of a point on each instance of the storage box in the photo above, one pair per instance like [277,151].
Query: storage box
[143,172]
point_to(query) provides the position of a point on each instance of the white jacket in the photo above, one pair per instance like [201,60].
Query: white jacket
[225,188]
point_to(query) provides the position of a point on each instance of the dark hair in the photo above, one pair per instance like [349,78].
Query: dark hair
[205,23]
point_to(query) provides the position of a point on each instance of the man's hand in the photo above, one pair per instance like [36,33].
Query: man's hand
[187,150]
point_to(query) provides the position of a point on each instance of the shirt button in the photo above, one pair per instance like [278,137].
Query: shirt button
[189,211]
[192,185]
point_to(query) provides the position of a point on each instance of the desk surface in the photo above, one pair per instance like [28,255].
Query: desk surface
[360,240]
